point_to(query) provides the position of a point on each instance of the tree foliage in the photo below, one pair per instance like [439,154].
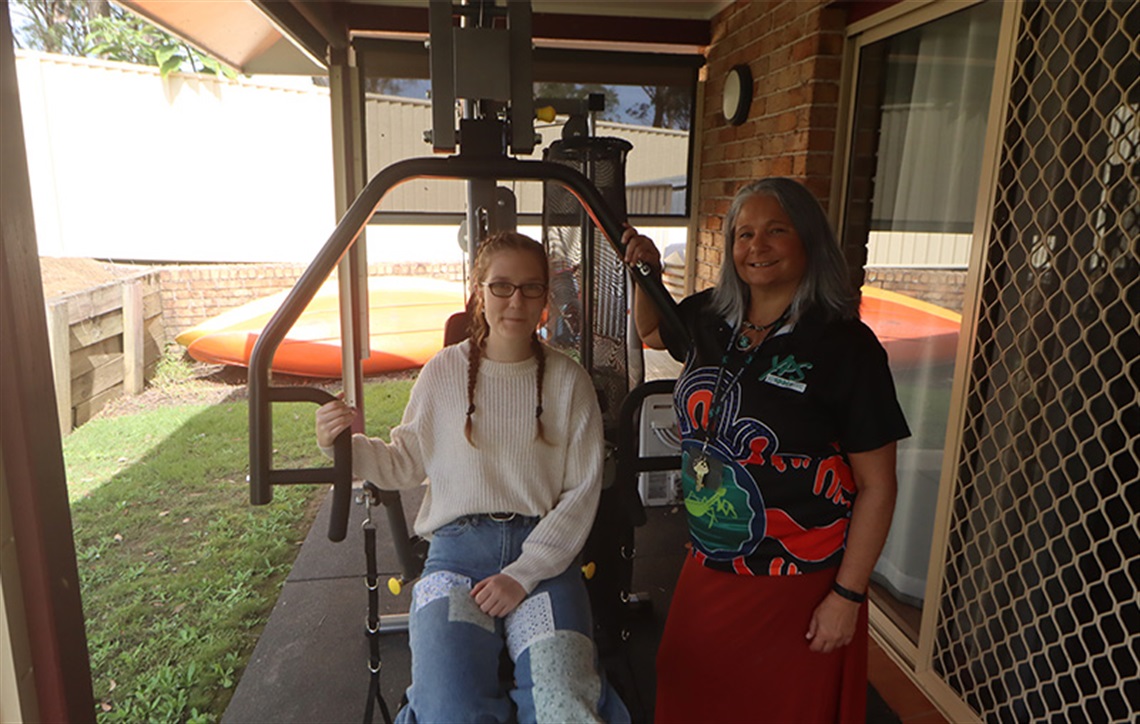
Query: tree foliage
[54,26]
[668,107]
[100,29]
[664,107]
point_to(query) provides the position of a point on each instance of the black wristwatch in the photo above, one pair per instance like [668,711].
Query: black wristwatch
[848,593]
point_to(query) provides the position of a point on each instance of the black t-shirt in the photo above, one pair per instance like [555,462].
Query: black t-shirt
[786,415]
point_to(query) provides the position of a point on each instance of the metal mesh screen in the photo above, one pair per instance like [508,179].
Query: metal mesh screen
[1039,617]
[567,232]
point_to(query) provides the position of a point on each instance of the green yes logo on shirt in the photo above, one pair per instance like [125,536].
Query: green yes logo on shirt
[787,368]
[787,373]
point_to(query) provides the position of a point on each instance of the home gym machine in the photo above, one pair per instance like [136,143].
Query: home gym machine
[481,54]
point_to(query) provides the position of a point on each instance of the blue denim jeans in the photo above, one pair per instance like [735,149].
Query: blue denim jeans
[456,647]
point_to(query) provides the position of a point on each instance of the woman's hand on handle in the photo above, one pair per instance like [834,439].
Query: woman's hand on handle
[641,249]
[333,418]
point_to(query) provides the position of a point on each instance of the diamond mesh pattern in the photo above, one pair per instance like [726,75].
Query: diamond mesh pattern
[1039,616]
[566,229]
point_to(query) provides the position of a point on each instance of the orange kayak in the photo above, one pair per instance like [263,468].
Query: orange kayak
[407,316]
[406,321]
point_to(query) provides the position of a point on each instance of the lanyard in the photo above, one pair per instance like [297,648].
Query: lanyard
[716,403]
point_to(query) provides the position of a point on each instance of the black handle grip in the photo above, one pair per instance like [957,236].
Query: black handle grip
[339,475]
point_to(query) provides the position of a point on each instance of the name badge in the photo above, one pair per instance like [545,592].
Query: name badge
[772,379]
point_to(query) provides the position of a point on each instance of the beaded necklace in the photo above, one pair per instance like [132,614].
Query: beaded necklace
[742,340]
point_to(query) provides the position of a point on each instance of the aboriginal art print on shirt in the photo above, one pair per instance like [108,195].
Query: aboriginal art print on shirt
[740,523]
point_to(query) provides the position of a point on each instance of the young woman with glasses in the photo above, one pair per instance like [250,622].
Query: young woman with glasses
[509,434]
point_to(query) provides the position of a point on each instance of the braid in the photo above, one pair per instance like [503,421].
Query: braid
[474,356]
[540,373]
[476,343]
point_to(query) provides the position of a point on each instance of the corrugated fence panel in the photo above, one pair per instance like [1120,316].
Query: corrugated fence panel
[918,249]
[395,129]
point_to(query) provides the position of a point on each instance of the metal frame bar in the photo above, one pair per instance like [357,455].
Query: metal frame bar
[346,95]
[410,59]
[454,218]
[261,394]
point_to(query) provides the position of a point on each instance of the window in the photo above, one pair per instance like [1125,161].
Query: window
[922,99]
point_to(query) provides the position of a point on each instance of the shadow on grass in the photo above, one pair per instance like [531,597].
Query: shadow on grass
[178,572]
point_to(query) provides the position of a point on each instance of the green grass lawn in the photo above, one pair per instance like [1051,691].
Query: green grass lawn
[178,572]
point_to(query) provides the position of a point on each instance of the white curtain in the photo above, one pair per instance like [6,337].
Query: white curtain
[937,96]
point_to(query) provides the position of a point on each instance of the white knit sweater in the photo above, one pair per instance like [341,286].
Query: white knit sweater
[510,470]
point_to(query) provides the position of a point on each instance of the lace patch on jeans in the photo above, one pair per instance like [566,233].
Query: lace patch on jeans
[532,621]
[566,682]
[436,585]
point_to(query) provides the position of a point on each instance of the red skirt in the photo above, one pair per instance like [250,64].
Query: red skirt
[734,650]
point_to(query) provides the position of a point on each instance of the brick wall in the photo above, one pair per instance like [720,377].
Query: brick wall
[191,294]
[944,287]
[794,50]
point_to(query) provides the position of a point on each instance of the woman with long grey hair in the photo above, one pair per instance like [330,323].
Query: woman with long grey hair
[788,421]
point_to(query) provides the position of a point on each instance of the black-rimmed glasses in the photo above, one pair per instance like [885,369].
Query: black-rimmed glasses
[506,290]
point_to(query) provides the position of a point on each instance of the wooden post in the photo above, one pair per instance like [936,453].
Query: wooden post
[134,363]
[59,341]
[47,671]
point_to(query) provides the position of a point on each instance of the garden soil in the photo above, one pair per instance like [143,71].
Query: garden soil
[63,276]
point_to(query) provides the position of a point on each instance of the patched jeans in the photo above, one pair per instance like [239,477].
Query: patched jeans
[456,647]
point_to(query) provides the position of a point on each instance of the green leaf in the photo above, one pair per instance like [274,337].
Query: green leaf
[215,66]
[163,53]
[170,65]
